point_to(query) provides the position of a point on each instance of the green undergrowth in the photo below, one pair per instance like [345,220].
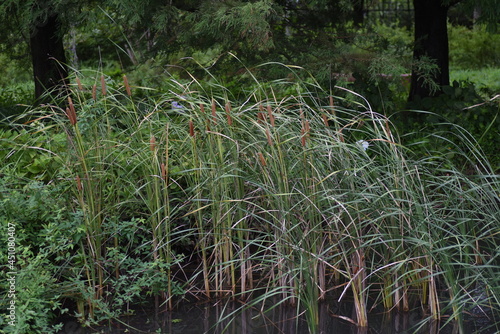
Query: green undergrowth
[288,194]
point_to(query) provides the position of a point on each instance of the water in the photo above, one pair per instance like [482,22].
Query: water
[202,318]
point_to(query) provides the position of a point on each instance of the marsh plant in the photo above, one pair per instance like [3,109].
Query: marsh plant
[275,195]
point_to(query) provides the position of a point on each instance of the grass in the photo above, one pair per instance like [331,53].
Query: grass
[485,80]
[271,200]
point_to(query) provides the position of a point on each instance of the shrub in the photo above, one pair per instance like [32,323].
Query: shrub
[473,48]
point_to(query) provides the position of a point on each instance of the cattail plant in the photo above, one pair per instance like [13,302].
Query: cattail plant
[279,199]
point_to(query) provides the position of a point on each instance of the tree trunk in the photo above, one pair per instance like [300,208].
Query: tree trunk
[358,12]
[431,41]
[49,60]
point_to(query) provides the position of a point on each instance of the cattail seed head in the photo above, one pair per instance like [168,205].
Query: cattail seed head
[262,159]
[152,143]
[163,172]
[214,115]
[71,116]
[332,105]
[79,83]
[269,139]
[71,112]
[228,114]
[79,184]
[127,86]
[270,113]
[325,119]
[191,128]
[261,117]
[94,92]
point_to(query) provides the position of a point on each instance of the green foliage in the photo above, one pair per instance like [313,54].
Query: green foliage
[28,156]
[485,80]
[230,21]
[461,105]
[12,72]
[25,211]
[473,48]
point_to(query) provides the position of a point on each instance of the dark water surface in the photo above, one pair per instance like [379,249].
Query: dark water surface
[202,318]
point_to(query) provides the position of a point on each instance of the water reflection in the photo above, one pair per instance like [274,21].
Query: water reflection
[206,319]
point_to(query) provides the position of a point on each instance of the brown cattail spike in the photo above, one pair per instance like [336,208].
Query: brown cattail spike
[261,117]
[214,115]
[325,119]
[79,185]
[262,159]
[228,114]
[127,86]
[163,172]
[94,92]
[191,128]
[152,143]
[71,112]
[271,116]
[269,139]
[71,116]
[79,83]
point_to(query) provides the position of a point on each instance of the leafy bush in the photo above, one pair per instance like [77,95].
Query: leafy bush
[461,105]
[485,80]
[25,210]
[473,48]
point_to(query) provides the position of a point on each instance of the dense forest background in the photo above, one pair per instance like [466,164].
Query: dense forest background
[368,46]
